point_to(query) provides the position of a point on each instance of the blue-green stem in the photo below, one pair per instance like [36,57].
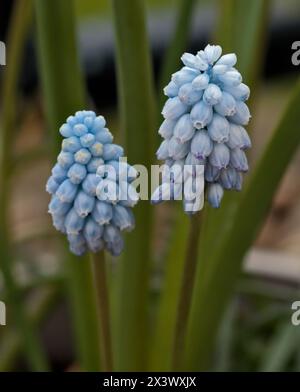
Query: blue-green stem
[99,268]
[17,34]
[136,97]
[163,337]
[64,93]
[186,290]
[214,288]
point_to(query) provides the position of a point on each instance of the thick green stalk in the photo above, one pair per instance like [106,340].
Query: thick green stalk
[214,288]
[186,290]
[161,349]
[63,89]
[17,34]
[83,297]
[138,118]
[100,279]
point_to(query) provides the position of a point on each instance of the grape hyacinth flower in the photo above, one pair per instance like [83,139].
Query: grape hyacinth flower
[92,197]
[205,115]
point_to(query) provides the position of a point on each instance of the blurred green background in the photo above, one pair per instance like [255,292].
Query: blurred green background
[254,332]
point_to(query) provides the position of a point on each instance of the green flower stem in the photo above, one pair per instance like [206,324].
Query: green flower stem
[136,96]
[214,288]
[186,290]
[83,298]
[63,88]
[100,280]
[17,34]
[163,339]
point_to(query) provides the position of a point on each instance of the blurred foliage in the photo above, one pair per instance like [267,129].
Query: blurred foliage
[93,8]
[137,113]
[89,8]
[255,333]
[17,34]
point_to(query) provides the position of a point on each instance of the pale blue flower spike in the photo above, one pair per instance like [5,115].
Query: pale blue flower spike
[90,224]
[205,117]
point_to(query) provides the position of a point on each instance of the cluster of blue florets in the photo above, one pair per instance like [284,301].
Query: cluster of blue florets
[204,122]
[92,198]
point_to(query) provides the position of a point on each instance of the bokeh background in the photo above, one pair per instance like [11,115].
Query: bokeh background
[256,333]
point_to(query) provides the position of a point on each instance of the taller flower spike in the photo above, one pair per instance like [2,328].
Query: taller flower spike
[90,185]
[204,124]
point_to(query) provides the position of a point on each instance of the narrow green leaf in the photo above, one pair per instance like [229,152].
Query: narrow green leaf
[60,72]
[136,97]
[280,349]
[225,30]
[225,340]
[160,357]
[242,30]
[18,30]
[62,83]
[214,288]
[235,17]
[178,44]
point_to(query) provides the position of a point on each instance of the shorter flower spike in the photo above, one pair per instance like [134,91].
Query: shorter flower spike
[205,115]
[85,202]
